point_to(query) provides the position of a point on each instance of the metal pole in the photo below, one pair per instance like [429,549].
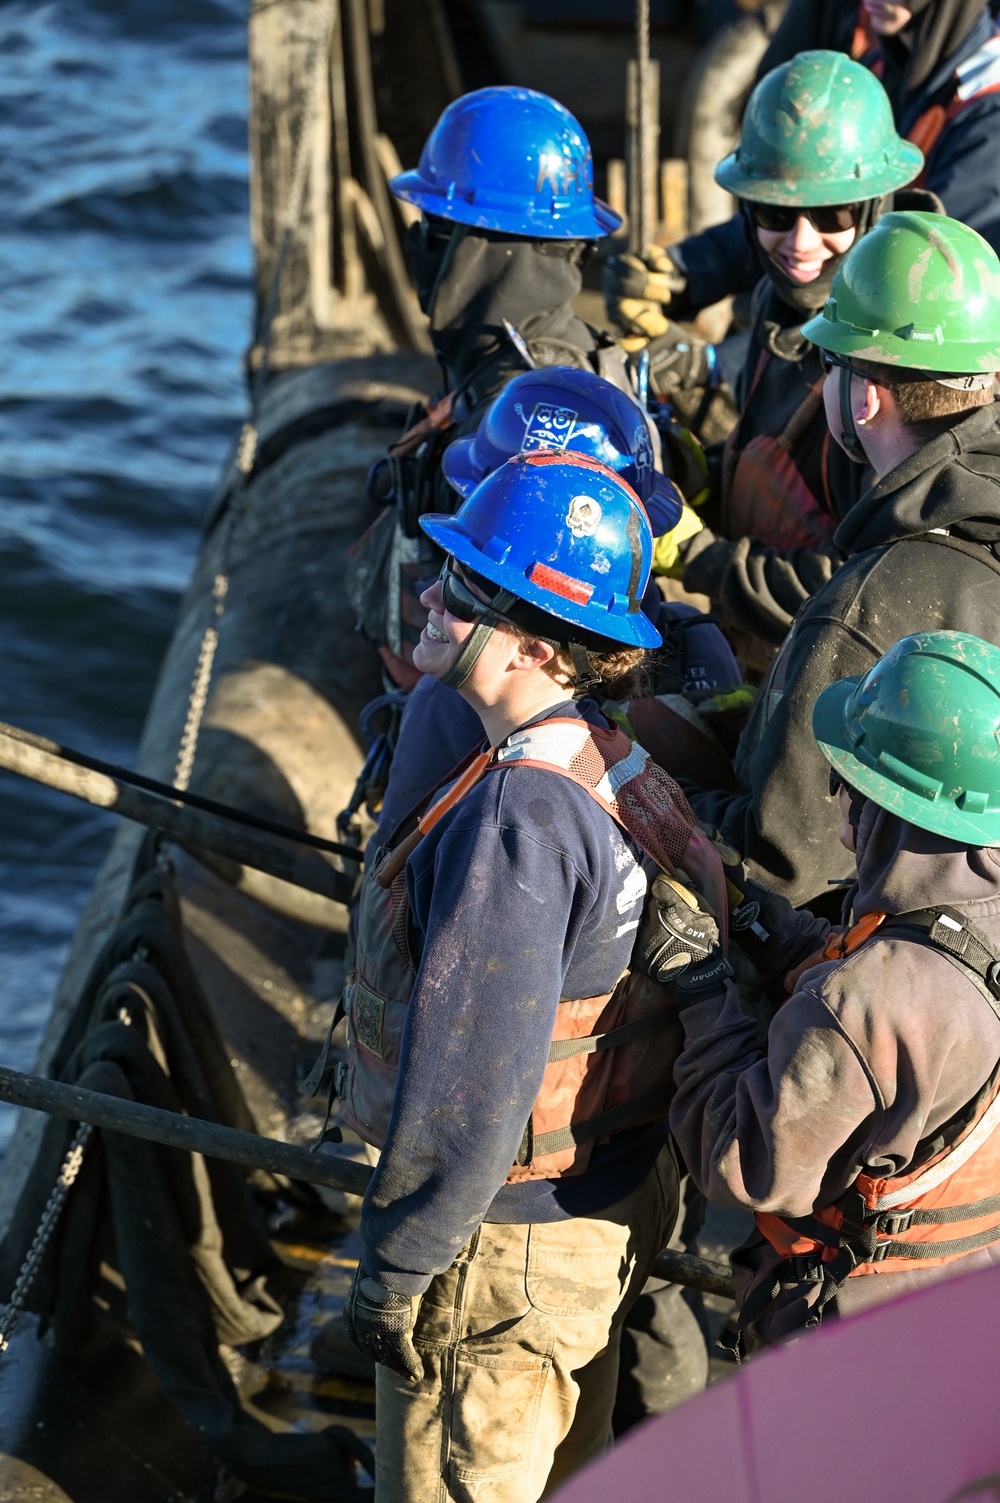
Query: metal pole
[252,1151]
[188,822]
[115,1114]
[642,233]
[694,1273]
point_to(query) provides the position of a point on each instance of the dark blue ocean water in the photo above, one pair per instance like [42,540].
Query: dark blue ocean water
[124,310]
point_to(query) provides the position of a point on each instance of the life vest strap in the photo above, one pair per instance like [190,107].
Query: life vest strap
[961,940]
[628,1033]
[615,1119]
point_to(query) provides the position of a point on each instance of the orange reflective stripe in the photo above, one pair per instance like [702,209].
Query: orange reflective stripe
[461,786]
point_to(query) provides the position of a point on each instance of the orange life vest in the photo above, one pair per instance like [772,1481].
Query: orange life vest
[610,1064]
[883,1222]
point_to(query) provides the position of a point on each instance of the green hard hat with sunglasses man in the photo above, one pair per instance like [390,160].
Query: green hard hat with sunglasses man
[818,145]
[818,163]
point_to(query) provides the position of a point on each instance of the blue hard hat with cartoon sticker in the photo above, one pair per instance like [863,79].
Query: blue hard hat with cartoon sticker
[563,532]
[512,160]
[563,409]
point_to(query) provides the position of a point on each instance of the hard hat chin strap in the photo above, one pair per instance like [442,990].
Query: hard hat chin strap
[585,675]
[849,437]
[474,644]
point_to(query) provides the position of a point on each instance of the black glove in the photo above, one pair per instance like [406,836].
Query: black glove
[379,1323]
[769,931]
[676,932]
[679,361]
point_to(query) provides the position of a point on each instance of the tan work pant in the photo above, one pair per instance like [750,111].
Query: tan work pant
[519,1340]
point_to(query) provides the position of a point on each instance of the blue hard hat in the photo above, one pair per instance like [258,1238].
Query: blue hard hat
[560,407]
[564,533]
[512,160]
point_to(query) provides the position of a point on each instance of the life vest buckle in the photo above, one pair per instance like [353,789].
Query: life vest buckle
[879,1253]
[893,1223]
[803,1268]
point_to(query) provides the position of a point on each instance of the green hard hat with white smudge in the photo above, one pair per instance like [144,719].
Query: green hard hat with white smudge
[919,734]
[818,130]
[920,291]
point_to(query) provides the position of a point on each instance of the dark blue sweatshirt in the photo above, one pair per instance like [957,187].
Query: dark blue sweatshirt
[525,893]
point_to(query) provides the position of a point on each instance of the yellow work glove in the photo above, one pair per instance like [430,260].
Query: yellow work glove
[667,548]
[638,288]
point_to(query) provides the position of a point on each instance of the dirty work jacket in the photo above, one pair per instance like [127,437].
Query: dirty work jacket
[898,578]
[525,892]
[869,1057]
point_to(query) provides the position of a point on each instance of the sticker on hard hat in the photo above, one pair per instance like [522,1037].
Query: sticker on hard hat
[583,517]
[559,171]
[549,427]
[642,448]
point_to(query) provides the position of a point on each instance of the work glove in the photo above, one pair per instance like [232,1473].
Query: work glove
[769,931]
[670,547]
[677,931]
[379,1322]
[638,288]
[679,361]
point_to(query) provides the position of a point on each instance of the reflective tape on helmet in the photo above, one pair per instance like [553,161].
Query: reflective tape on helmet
[560,584]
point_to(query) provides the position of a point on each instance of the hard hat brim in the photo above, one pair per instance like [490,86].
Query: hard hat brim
[894,347]
[791,192]
[571,223]
[663,508]
[458,468]
[831,715]
[632,630]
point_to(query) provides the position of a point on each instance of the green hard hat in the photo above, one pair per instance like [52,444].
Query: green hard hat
[818,130]
[919,291]
[919,734]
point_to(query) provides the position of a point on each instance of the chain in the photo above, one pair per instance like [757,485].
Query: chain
[247,448]
[68,1172]
[65,1180]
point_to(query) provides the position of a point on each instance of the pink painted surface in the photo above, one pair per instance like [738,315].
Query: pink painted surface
[901,1404]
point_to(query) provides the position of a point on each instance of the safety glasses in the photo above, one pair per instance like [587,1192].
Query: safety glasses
[829,361]
[837,781]
[459,600]
[829,219]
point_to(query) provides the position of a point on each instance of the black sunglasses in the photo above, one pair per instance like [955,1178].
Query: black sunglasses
[829,219]
[828,360]
[837,781]
[459,600]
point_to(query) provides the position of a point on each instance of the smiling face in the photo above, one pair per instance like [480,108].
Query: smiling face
[444,636]
[887,18]
[802,252]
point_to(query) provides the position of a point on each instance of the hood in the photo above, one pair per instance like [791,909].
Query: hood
[806,300]
[927,49]
[902,867]
[953,482]
[479,280]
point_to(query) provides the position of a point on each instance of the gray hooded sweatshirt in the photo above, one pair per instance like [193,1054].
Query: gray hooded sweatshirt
[870,1055]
